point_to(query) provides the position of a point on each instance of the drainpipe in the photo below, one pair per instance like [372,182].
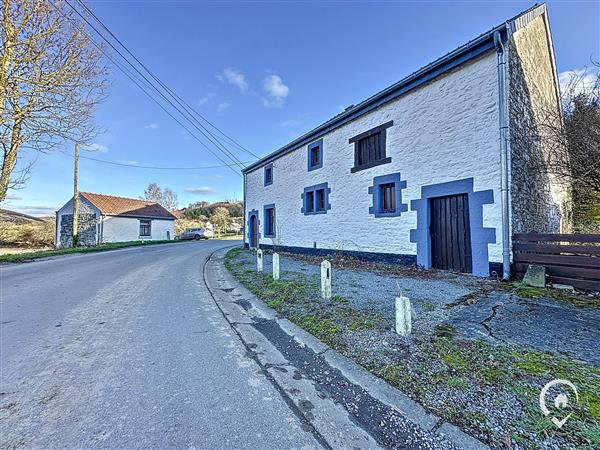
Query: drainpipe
[101,231]
[503,128]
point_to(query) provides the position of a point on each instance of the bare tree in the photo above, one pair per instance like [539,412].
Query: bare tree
[169,199]
[576,157]
[165,197]
[575,154]
[153,193]
[51,79]
[562,143]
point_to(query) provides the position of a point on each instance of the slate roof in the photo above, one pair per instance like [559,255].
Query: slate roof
[128,207]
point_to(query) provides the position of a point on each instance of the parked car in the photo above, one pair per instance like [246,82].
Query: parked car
[196,233]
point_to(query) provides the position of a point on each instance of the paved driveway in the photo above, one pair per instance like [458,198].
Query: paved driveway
[127,349]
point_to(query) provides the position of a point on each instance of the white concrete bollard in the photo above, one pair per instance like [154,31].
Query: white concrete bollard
[259,260]
[403,316]
[326,279]
[276,266]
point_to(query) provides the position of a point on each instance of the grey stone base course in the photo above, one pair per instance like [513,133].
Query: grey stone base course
[430,431]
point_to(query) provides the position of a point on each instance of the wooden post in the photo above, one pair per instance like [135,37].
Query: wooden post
[326,279]
[75,198]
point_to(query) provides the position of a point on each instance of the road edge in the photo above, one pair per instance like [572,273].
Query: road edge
[376,387]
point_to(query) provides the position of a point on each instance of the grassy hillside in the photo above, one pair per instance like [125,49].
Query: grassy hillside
[28,234]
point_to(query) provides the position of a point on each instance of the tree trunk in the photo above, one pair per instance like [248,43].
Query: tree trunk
[10,160]
[7,52]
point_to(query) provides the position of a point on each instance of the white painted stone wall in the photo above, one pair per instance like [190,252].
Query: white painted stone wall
[443,131]
[120,229]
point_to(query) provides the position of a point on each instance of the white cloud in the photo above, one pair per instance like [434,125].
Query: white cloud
[290,123]
[151,126]
[129,162]
[580,80]
[203,190]
[223,106]
[98,148]
[207,98]
[234,77]
[13,198]
[276,91]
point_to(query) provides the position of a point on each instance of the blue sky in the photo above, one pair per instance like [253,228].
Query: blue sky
[265,72]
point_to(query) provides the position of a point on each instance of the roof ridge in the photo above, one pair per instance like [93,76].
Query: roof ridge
[120,197]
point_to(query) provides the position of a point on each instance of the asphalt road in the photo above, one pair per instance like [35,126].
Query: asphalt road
[126,349]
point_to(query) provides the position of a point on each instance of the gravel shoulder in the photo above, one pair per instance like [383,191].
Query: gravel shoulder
[479,354]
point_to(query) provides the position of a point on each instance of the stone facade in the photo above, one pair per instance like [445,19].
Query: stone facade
[444,131]
[86,230]
[440,136]
[538,202]
[64,224]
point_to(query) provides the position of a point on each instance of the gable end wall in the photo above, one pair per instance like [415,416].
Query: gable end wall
[539,201]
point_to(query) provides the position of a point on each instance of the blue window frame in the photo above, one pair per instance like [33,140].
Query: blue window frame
[268,174]
[387,196]
[315,155]
[269,220]
[315,199]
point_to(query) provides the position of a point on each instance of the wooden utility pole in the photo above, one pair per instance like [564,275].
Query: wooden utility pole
[75,197]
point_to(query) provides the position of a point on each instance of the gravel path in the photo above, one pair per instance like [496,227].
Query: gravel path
[496,316]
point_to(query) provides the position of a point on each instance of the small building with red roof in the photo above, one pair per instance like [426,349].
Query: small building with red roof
[108,218]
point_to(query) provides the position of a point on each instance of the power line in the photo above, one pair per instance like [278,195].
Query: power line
[152,86]
[201,129]
[171,92]
[138,166]
[137,82]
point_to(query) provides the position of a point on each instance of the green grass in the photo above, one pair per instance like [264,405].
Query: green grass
[525,291]
[19,257]
[457,382]
[230,237]
[361,323]
[428,306]
[322,328]
[339,299]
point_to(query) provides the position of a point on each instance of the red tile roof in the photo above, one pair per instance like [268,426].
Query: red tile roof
[121,206]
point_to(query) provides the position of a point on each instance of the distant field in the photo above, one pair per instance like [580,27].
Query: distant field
[28,235]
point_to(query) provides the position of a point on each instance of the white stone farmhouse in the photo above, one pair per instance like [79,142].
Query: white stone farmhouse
[438,169]
[106,218]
